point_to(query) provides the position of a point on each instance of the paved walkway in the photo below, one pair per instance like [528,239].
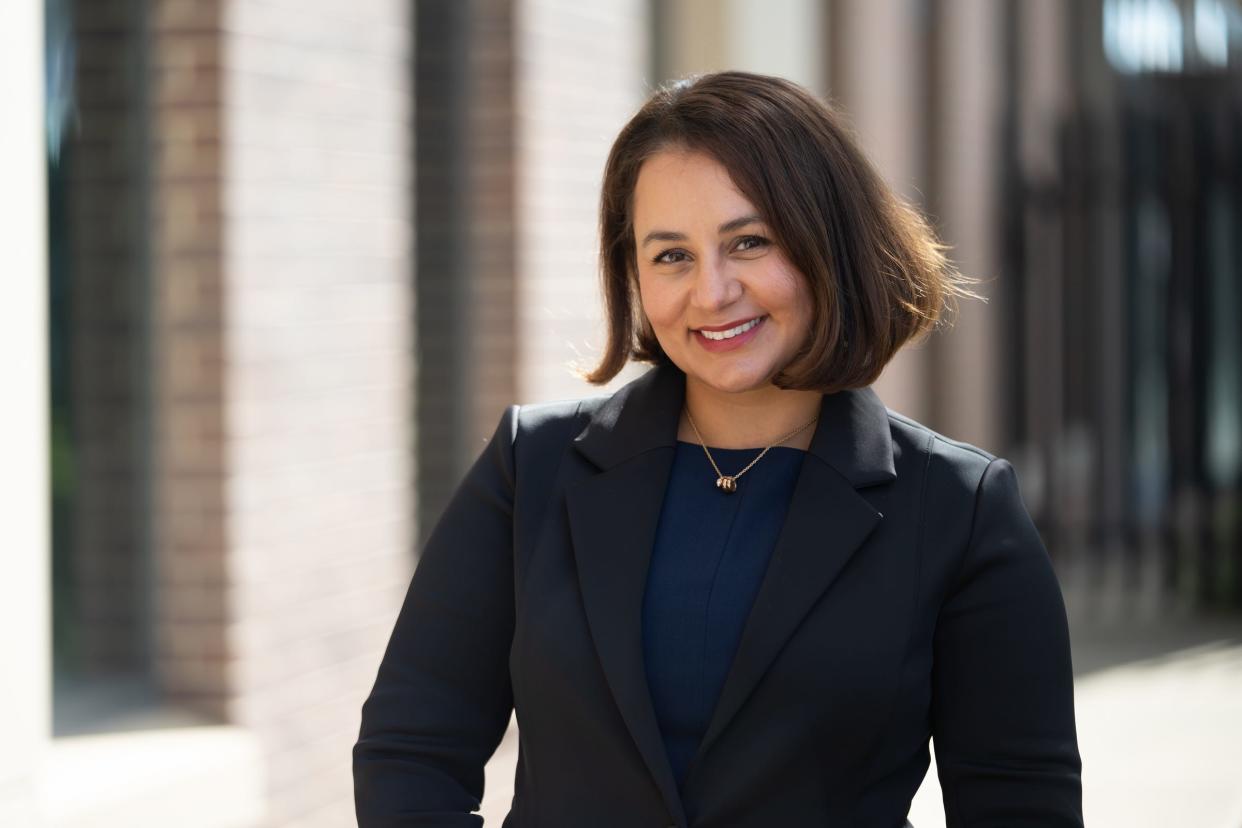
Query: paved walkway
[1158,697]
[1159,714]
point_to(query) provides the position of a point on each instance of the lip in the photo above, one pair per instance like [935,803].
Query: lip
[728,325]
[717,345]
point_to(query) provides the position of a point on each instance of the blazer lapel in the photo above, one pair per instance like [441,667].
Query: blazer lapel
[826,524]
[613,517]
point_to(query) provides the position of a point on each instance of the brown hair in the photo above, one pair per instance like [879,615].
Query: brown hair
[877,274]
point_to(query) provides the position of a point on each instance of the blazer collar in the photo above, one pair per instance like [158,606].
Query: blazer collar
[852,434]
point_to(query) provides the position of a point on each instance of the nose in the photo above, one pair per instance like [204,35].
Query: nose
[715,285]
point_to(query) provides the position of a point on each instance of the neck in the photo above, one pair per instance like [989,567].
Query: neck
[748,419]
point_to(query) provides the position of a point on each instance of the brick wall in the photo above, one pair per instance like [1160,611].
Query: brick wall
[495,349]
[276,227]
[317,343]
[189,577]
[579,70]
[240,193]
[243,190]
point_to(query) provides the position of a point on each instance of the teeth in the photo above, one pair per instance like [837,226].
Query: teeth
[732,332]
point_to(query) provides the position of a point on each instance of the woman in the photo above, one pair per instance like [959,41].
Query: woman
[738,591]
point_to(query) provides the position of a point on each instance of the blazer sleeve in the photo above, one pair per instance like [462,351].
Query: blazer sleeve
[442,697]
[1002,680]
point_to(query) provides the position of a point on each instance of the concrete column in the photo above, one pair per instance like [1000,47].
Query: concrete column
[25,638]
[877,61]
[967,403]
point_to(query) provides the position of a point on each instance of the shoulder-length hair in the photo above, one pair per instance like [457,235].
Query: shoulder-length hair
[876,271]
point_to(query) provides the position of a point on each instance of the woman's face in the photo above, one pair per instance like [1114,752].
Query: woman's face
[707,264]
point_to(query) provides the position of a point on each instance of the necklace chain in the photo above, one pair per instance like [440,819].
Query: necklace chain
[726,482]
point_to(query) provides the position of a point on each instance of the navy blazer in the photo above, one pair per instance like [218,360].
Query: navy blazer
[908,596]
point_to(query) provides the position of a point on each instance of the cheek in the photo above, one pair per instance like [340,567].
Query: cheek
[659,305]
[797,306]
[793,295]
[804,301]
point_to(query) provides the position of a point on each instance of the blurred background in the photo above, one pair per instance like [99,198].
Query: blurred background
[272,269]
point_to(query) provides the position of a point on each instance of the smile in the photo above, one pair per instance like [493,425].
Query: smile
[733,339]
[732,332]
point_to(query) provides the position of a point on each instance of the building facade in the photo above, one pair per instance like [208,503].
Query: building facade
[301,255]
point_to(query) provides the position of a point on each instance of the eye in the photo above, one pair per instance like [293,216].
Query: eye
[662,258]
[746,243]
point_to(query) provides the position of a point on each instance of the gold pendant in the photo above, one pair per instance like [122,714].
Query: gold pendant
[727,484]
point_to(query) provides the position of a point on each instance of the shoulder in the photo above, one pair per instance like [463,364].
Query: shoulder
[952,470]
[540,427]
[527,420]
[553,415]
[970,505]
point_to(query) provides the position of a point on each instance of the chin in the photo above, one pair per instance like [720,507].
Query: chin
[732,381]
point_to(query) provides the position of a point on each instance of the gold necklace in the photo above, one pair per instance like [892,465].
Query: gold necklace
[728,483]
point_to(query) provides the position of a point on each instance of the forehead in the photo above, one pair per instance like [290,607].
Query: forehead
[685,187]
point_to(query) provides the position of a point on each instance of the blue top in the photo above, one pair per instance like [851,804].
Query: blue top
[710,554]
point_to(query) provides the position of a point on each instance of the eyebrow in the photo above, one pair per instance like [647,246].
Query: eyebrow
[728,226]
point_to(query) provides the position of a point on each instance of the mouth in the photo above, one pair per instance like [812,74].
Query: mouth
[731,332]
[732,338]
